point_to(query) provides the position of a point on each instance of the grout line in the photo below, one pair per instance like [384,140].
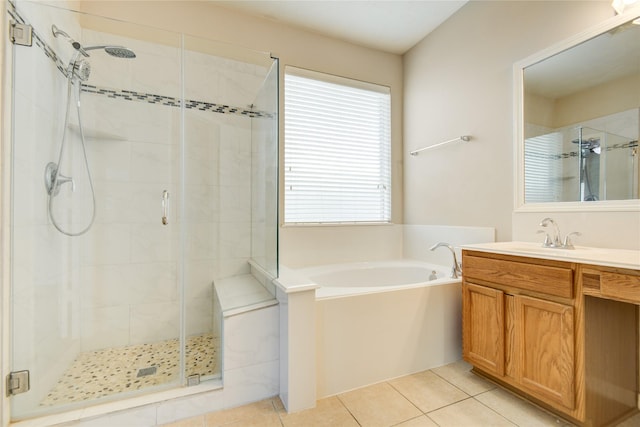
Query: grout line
[493,410]
[276,410]
[464,391]
[406,397]
[348,410]
[474,397]
[453,385]
[432,420]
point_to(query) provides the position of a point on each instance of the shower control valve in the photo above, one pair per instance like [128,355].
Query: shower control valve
[51,176]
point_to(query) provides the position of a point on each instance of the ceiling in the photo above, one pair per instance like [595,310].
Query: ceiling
[392,25]
[599,60]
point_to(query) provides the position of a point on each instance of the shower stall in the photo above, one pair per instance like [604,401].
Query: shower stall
[142,166]
[584,163]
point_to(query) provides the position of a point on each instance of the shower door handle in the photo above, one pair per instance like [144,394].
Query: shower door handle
[165,207]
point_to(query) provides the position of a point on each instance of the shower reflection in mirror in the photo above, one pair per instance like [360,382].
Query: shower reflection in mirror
[583,163]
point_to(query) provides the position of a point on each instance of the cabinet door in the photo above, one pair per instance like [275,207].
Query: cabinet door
[545,343]
[483,327]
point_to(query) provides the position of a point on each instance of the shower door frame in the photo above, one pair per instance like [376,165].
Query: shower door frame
[13,74]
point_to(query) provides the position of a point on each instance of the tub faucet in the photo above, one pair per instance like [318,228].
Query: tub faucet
[456,269]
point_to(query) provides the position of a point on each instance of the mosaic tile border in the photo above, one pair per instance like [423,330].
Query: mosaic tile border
[129,95]
[170,101]
[620,146]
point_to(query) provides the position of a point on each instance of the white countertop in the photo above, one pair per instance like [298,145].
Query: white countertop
[622,258]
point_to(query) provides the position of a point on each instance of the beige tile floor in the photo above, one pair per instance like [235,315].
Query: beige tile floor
[449,396]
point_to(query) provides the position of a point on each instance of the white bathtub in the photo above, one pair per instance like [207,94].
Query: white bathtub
[370,277]
[378,321]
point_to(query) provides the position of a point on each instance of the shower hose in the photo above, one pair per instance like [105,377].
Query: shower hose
[54,183]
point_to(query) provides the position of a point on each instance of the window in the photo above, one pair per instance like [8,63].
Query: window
[543,168]
[337,149]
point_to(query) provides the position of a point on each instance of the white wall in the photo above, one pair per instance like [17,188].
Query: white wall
[458,80]
[318,245]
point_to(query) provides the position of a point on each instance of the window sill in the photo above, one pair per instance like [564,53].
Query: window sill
[333,224]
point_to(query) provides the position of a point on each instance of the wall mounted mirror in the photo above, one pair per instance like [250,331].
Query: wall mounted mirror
[578,122]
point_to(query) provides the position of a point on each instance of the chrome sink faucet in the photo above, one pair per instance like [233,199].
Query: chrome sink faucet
[566,243]
[456,269]
[553,242]
[556,241]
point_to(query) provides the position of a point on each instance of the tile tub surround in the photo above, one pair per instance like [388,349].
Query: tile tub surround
[101,373]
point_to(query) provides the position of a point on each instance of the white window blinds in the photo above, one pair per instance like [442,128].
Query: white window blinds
[337,150]
[543,168]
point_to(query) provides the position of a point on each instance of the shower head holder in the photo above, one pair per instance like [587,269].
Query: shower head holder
[76,45]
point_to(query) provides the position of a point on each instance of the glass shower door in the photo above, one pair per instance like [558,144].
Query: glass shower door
[264,175]
[620,167]
[165,182]
[220,192]
[96,301]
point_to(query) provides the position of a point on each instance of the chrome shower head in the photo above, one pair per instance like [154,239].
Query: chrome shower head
[588,144]
[115,51]
[120,52]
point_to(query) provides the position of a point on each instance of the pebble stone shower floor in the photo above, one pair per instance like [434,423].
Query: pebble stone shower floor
[100,373]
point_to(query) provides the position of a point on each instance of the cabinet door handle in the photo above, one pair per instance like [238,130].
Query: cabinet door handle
[165,207]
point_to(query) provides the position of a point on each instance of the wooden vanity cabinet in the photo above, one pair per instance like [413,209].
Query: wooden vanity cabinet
[483,327]
[519,325]
[564,335]
[544,350]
